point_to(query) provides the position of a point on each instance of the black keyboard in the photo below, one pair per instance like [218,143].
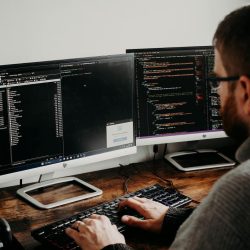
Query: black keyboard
[54,236]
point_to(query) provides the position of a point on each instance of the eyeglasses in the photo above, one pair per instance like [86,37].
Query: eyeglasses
[215,81]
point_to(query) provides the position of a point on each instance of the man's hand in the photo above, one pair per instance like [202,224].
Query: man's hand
[95,232]
[152,211]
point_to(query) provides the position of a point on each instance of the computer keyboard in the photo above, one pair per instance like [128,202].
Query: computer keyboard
[54,235]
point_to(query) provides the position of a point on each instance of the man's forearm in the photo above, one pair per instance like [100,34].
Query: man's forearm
[173,220]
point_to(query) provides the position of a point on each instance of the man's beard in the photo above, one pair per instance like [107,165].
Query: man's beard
[232,123]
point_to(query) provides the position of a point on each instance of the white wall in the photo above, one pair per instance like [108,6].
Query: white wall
[38,30]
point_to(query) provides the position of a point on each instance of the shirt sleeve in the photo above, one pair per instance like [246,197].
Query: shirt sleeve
[118,247]
[173,220]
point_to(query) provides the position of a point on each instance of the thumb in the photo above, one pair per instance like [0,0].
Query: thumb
[134,222]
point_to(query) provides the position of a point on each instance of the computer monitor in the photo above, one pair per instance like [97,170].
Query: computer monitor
[174,100]
[64,113]
[176,103]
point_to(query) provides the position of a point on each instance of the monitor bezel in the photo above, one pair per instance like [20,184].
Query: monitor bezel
[67,165]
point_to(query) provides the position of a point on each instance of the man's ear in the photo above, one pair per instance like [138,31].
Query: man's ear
[245,94]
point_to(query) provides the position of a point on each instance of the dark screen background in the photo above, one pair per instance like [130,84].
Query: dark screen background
[101,94]
[37,122]
[4,131]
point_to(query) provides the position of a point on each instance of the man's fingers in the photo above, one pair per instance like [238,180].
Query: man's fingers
[78,225]
[142,200]
[99,217]
[78,237]
[134,204]
[95,216]
[134,222]
[72,234]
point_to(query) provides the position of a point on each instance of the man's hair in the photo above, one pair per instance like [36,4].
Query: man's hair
[232,40]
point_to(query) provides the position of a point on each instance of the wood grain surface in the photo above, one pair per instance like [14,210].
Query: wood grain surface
[23,217]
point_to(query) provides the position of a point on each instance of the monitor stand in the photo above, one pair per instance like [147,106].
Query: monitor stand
[199,159]
[89,191]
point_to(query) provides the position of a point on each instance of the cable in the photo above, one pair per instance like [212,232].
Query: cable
[165,149]
[155,151]
[126,176]
[168,182]
[126,172]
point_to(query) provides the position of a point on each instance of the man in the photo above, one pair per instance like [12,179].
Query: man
[222,221]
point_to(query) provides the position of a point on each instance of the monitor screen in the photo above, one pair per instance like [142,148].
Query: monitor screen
[174,100]
[55,112]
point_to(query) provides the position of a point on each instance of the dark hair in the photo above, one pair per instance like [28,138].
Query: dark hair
[232,40]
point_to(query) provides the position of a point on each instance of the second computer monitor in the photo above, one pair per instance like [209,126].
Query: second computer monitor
[174,99]
[64,113]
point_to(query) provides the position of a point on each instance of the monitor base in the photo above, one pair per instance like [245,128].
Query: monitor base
[199,159]
[92,191]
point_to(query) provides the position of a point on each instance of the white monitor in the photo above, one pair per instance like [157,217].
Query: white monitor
[174,100]
[64,113]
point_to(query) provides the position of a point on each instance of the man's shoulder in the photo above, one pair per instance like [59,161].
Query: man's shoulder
[234,186]
[240,174]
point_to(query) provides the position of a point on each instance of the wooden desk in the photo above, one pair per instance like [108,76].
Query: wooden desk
[23,217]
